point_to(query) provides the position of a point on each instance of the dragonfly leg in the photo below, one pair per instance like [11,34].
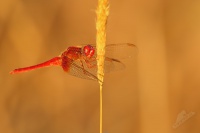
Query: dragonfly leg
[82,66]
[87,72]
[89,63]
[94,65]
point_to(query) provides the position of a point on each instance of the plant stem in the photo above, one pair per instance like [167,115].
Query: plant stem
[101,109]
[102,14]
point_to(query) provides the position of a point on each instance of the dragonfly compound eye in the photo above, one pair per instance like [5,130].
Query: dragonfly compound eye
[88,51]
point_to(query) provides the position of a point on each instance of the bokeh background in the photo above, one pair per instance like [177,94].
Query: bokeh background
[149,96]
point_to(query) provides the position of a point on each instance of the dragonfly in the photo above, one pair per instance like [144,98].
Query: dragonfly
[81,61]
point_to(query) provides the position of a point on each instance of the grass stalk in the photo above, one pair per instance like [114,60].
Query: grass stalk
[102,14]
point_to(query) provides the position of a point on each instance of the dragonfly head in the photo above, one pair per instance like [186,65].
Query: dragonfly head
[88,51]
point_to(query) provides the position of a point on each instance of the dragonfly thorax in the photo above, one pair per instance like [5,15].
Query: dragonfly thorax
[72,53]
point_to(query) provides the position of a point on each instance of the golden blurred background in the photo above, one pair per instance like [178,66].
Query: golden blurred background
[158,92]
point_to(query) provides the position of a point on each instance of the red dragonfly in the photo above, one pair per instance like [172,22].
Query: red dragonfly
[81,61]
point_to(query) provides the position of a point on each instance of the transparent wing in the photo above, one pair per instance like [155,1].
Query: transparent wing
[80,69]
[120,51]
[117,52]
